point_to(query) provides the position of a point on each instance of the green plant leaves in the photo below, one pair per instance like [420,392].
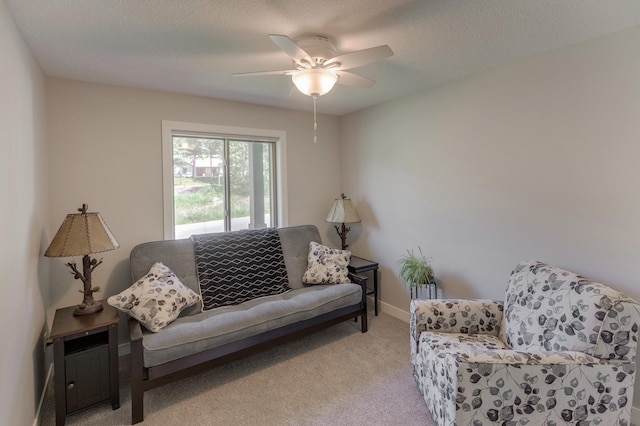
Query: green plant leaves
[415,269]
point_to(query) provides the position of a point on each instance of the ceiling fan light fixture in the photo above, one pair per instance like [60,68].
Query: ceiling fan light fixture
[314,82]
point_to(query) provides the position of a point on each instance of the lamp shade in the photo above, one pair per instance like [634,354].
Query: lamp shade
[81,234]
[343,211]
[314,81]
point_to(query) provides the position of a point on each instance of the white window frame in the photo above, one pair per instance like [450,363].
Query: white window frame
[169,128]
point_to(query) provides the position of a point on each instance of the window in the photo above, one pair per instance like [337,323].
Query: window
[219,178]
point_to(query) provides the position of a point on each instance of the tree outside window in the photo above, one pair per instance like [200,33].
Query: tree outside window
[222,184]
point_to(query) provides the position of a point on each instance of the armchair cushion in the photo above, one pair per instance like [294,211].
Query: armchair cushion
[467,387]
[491,350]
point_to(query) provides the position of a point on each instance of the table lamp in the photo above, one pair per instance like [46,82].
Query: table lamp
[82,234]
[343,212]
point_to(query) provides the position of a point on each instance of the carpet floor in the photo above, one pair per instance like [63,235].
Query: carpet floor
[337,376]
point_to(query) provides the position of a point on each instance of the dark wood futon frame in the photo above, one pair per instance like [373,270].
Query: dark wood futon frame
[145,378]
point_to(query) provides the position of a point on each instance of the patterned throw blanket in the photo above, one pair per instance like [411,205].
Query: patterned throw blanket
[234,267]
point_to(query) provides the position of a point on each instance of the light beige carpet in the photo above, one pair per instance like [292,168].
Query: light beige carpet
[337,376]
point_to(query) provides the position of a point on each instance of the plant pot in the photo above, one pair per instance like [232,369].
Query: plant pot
[425,291]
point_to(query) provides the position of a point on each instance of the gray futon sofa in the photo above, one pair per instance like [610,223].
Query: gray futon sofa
[199,340]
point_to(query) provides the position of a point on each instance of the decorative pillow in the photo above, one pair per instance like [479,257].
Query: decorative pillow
[156,299]
[326,265]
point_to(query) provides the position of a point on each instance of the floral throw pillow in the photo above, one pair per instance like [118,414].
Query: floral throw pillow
[156,299]
[326,265]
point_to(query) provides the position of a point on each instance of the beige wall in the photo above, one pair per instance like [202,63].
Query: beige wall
[105,145]
[538,160]
[23,218]
[534,160]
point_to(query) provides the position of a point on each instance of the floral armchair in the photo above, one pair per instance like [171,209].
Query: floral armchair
[560,349]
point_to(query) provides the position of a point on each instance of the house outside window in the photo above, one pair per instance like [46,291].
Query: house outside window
[218,178]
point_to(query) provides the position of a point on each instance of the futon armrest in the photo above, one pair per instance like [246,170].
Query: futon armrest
[358,279]
[137,372]
[362,281]
[135,330]
[472,316]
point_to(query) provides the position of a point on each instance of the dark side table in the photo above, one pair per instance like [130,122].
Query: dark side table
[359,265]
[85,356]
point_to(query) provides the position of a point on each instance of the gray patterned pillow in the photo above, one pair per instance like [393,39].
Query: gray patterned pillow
[156,299]
[326,265]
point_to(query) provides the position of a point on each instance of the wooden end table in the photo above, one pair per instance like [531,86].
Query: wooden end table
[359,265]
[85,355]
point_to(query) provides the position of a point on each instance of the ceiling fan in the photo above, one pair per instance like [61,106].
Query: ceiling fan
[317,68]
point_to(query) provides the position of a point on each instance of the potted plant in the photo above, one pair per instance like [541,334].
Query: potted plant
[416,273]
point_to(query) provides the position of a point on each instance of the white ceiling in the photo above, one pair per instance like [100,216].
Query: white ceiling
[193,46]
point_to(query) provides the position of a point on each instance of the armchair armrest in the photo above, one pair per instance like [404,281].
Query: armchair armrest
[470,316]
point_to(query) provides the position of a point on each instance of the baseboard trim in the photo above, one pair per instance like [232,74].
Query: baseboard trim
[393,311]
[38,420]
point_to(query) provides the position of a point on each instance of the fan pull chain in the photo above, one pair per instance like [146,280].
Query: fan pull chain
[315,121]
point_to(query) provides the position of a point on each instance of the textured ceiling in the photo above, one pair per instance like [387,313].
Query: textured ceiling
[193,46]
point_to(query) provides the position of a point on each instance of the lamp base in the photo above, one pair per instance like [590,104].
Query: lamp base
[88,308]
[342,232]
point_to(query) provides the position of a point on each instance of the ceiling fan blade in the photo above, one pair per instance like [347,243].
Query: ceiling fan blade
[346,78]
[360,57]
[278,72]
[293,90]
[291,48]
